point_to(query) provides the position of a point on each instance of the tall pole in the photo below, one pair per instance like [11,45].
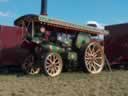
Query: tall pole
[43,7]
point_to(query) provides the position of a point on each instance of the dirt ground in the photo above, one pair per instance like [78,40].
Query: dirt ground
[67,84]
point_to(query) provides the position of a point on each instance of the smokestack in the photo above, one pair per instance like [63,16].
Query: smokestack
[43,7]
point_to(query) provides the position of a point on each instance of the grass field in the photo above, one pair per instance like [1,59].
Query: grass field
[67,84]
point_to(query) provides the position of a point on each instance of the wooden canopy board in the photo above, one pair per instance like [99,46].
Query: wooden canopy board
[61,24]
[71,26]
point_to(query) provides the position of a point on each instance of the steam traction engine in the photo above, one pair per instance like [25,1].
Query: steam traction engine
[51,44]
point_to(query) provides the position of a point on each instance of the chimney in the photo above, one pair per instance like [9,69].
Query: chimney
[43,7]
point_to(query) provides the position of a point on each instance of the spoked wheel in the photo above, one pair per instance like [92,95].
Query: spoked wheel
[94,58]
[53,64]
[28,66]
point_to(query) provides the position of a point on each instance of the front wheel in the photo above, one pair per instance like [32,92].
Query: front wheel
[53,64]
[94,58]
[29,67]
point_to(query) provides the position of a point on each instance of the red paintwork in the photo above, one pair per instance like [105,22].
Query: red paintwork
[116,44]
[11,36]
[11,41]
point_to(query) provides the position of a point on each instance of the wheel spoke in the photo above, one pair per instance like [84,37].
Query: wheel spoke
[93,49]
[57,61]
[88,58]
[98,57]
[94,68]
[97,51]
[87,54]
[49,57]
[89,51]
[55,70]
[57,64]
[50,60]
[49,66]
[89,67]
[97,64]
[32,70]
[88,62]
[54,58]
[49,71]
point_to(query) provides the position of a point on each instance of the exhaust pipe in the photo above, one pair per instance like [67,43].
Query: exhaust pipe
[43,7]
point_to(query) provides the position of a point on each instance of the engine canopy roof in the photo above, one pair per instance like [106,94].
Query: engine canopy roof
[59,24]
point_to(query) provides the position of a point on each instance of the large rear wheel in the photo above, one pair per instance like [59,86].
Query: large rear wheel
[53,64]
[94,58]
[29,67]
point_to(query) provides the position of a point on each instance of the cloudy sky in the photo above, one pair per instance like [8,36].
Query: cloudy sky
[76,11]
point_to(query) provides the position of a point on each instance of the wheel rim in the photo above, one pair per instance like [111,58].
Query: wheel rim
[53,64]
[28,66]
[94,58]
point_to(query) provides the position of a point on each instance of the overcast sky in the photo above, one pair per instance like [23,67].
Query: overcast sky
[77,11]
